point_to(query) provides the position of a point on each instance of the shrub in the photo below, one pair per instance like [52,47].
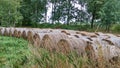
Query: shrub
[116,28]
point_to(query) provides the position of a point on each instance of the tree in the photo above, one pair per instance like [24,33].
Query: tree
[94,7]
[9,12]
[65,10]
[110,13]
[33,11]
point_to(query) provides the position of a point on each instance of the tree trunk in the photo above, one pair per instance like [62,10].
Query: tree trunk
[92,22]
[53,9]
[68,12]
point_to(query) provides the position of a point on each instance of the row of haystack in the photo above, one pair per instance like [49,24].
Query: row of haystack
[93,45]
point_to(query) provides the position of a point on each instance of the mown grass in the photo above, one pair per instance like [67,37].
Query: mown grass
[18,53]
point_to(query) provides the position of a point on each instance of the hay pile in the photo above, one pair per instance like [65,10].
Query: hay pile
[93,45]
[49,41]
[72,44]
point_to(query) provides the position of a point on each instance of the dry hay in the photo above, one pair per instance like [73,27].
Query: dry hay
[99,50]
[50,40]
[36,30]
[83,33]
[2,30]
[19,30]
[74,36]
[68,45]
[108,41]
[55,31]
[65,32]
[90,39]
[30,36]
[15,33]
[104,50]
[19,34]
[51,30]
[90,52]
[71,31]
[118,35]
[104,36]
[115,40]
[94,45]
[42,30]
[92,35]
[24,34]
[99,33]
[78,32]
[37,37]
[11,31]
[36,40]
[6,32]
[64,46]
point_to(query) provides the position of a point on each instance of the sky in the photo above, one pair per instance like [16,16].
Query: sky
[49,13]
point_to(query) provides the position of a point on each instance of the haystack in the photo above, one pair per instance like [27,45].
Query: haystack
[55,31]
[105,49]
[15,33]
[42,30]
[84,33]
[2,30]
[72,31]
[37,37]
[114,40]
[50,40]
[30,36]
[11,31]
[20,30]
[6,33]
[99,33]
[118,35]
[67,45]
[76,36]
[65,32]
[25,34]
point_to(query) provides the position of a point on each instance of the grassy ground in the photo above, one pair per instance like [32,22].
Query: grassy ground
[17,53]
[14,52]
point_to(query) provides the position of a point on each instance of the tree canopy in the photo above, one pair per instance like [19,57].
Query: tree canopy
[32,12]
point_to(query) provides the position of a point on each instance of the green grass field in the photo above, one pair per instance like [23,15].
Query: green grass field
[14,52]
[17,53]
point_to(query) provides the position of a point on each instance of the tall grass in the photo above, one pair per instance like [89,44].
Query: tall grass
[17,53]
[14,53]
[46,59]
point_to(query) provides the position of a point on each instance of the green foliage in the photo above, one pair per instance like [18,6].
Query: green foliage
[32,11]
[29,13]
[64,26]
[116,28]
[110,13]
[9,12]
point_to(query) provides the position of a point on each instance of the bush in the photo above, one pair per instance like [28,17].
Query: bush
[64,26]
[116,28]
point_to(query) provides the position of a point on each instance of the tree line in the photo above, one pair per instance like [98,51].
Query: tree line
[32,12]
